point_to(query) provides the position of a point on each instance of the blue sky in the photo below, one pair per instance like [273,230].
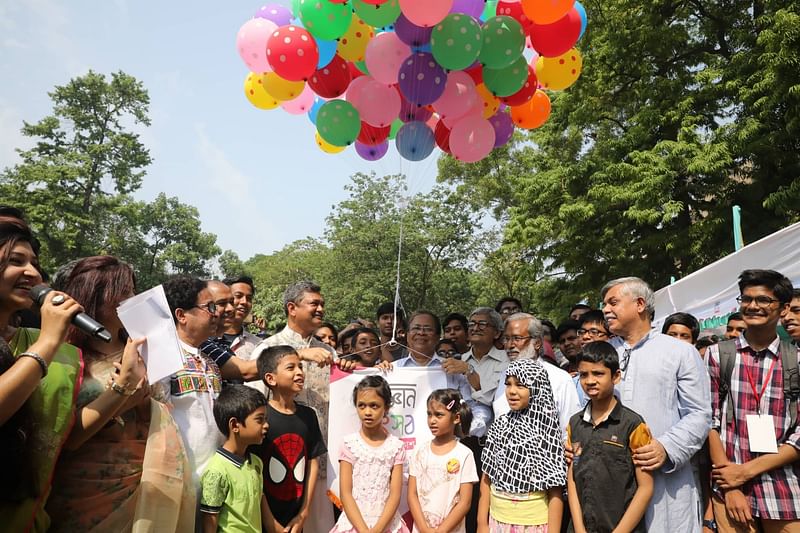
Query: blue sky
[257,177]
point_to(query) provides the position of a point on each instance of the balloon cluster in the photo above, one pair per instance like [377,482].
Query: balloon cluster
[457,74]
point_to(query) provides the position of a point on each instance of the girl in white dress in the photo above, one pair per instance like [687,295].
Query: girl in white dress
[371,466]
[442,472]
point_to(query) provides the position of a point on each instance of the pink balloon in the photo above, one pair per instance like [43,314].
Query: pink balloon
[384,56]
[251,42]
[378,104]
[356,89]
[459,96]
[301,104]
[425,13]
[476,110]
[471,139]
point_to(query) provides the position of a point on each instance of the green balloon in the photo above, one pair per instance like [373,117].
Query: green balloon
[490,10]
[377,16]
[325,20]
[503,42]
[362,66]
[338,122]
[507,80]
[396,125]
[456,41]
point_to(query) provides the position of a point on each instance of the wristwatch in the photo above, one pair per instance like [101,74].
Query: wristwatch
[470,370]
[710,524]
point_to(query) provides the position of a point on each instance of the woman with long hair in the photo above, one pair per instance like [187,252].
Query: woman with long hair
[125,467]
[39,378]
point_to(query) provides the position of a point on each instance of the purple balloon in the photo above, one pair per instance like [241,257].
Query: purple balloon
[473,8]
[421,79]
[410,33]
[410,112]
[372,153]
[503,128]
[280,15]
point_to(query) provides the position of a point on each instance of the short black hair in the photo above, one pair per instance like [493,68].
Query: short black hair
[551,328]
[436,324]
[776,282]
[705,342]
[683,319]
[181,292]
[238,402]
[247,280]
[456,316]
[580,306]
[331,327]
[388,309]
[795,293]
[505,299]
[565,326]
[736,316]
[347,334]
[270,357]
[368,331]
[451,342]
[600,352]
[456,405]
[381,387]
[595,316]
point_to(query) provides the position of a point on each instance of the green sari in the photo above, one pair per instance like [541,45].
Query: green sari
[53,408]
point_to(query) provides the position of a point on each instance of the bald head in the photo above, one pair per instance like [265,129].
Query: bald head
[222,296]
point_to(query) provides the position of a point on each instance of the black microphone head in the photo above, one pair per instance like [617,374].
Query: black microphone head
[38,292]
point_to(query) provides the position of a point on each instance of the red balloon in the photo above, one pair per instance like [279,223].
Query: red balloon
[355,72]
[476,73]
[514,10]
[527,91]
[442,136]
[292,53]
[552,40]
[372,135]
[332,80]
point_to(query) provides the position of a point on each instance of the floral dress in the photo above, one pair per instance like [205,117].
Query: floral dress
[372,473]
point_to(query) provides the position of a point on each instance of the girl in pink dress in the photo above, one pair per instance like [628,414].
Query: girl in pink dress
[371,466]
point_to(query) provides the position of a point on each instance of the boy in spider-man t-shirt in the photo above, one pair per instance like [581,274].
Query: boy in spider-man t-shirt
[293,444]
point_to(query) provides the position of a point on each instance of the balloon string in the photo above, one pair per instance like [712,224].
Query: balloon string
[393,340]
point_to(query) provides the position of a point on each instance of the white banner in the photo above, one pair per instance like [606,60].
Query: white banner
[407,418]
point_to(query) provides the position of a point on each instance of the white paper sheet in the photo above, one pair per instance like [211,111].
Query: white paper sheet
[148,315]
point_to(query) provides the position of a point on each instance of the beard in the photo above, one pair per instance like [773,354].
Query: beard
[529,352]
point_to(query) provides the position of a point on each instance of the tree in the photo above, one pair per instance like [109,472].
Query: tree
[230,265]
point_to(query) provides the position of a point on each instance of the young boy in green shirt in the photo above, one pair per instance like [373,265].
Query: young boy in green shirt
[232,496]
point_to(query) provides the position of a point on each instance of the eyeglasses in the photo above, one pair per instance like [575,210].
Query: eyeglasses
[480,324]
[515,339]
[761,301]
[626,358]
[593,332]
[421,329]
[447,354]
[210,307]
[510,310]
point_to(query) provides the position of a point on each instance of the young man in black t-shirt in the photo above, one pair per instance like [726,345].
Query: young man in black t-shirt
[294,442]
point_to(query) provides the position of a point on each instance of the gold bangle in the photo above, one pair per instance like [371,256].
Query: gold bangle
[119,389]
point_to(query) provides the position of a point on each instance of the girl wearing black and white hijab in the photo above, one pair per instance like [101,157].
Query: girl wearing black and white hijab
[523,460]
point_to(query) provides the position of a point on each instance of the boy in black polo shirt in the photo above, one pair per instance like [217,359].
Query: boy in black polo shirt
[606,491]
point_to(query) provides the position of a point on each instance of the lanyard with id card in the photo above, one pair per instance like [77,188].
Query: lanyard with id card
[761,427]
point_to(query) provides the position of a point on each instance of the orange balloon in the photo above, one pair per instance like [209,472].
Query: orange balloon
[491,103]
[532,113]
[546,11]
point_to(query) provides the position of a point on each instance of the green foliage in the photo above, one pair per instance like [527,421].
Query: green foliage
[75,184]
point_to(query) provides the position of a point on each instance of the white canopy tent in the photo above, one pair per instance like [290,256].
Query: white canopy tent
[710,293]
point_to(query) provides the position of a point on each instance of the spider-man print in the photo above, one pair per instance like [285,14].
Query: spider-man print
[287,467]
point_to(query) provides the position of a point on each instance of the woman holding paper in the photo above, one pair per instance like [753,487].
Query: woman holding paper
[39,376]
[124,460]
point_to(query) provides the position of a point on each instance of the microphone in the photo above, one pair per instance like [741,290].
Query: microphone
[82,321]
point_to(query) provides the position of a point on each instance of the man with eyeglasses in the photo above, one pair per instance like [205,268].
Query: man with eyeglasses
[523,340]
[754,441]
[665,381]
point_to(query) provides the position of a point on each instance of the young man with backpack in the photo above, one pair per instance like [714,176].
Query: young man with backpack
[754,440]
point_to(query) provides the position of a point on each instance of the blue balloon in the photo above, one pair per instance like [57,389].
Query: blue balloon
[312,113]
[327,49]
[584,21]
[421,48]
[415,141]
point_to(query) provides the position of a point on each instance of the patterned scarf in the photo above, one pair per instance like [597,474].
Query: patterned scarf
[523,451]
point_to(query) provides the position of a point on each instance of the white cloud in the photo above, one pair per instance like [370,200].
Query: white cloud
[10,125]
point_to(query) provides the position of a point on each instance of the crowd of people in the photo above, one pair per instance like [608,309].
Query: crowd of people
[598,424]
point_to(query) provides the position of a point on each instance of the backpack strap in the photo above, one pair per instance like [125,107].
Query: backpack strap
[727,360]
[791,378]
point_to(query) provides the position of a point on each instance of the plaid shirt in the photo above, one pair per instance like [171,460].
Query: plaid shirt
[774,495]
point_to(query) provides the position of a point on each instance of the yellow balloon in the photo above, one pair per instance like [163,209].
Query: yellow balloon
[353,44]
[327,147]
[558,73]
[255,92]
[491,103]
[282,89]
